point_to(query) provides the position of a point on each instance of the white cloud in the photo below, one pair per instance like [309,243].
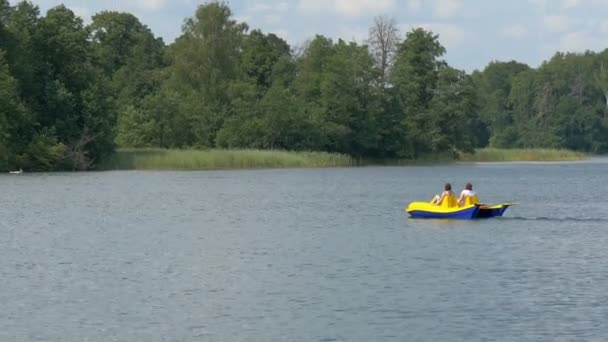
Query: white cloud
[353,33]
[266,15]
[242,18]
[558,23]
[132,6]
[568,4]
[414,5]
[603,27]
[270,7]
[82,12]
[282,33]
[358,7]
[446,8]
[539,3]
[450,36]
[151,5]
[261,7]
[273,19]
[348,8]
[516,31]
[282,6]
[313,6]
[580,41]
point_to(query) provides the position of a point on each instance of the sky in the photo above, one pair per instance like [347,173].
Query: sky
[474,32]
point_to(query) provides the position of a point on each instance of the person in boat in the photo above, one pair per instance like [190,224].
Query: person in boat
[446,195]
[468,196]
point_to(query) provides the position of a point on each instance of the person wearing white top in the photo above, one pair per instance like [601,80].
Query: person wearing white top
[467,192]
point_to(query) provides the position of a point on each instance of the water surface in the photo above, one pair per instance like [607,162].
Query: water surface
[303,255]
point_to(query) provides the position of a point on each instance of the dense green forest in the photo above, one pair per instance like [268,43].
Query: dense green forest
[71,93]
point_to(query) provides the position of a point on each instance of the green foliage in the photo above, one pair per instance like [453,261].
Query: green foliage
[22,55]
[453,113]
[70,93]
[560,105]
[510,155]
[335,90]
[205,63]
[496,112]
[123,41]
[417,68]
[12,113]
[134,128]
[5,12]
[438,104]
[132,58]
[259,55]
[158,159]
[43,153]
[8,95]
[75,99]
[62,106]
[348,95]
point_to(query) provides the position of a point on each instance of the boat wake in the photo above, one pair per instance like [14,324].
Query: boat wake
[557,219]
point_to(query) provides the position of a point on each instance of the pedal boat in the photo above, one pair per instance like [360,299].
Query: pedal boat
[466,212]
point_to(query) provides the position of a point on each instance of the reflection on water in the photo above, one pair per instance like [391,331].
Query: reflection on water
[303,255]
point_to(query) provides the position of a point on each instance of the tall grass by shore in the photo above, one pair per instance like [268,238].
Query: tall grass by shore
[215,159]
[512,155]
[160,159]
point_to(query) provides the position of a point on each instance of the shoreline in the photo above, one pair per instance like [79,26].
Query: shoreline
[214,159]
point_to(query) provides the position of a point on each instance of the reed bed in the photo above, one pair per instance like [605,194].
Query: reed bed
[215,159]
[512,155]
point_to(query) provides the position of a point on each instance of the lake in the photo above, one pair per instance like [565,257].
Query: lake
[304,255]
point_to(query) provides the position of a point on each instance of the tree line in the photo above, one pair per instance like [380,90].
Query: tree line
[71,93]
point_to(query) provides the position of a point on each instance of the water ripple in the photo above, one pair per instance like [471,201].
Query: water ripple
[557,219]
[302,255]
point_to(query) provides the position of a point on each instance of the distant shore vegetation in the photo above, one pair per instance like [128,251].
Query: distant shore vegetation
[160,159]
[512,155]
[78,94]
[217,159]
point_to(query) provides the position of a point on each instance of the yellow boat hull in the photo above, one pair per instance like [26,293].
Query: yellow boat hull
[428,210]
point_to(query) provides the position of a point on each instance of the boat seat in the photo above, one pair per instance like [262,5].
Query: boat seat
[449,202]
[470,200]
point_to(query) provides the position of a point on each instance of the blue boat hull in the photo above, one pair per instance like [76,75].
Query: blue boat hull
[492,211]
[425,210]
[465,214]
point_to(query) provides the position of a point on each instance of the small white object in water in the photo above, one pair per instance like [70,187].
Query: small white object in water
[16,172]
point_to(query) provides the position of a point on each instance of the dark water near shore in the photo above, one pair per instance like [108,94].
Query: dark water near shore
[303,255]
